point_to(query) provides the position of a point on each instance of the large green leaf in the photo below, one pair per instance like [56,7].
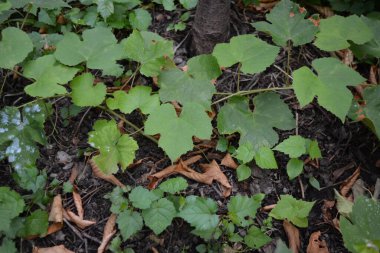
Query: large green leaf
[142,198]
[176,133]
[294,146]
[336,32]
[176,85]
[204,66]
[265,159]
[48,75]
[361,232]
[149,49]
[256,238]
[329,86]
[129,223]
[296,211]
[254,54]
[11,205]
[99,49]
[160,215]
[85,93]
[115,148]
[287,22]
[8,246]
[242,209]
[14,47]
[256,128]
[372,47]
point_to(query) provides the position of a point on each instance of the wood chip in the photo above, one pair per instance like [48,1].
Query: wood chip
[316,245]
[55,249]
[349,182]
[229,162]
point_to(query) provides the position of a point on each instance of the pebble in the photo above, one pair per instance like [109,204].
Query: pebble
[63,158]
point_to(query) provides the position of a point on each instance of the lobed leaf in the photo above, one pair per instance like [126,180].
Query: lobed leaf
[11,205]
[129,223]
[142,198]
[174,185]
[160,215]
[84,93]
[242,209]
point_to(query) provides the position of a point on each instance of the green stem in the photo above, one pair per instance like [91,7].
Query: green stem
[40,98]
[238,77]
[289,50]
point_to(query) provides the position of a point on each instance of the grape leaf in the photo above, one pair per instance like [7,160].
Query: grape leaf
[294,167]
[11,205]
[142,198]
[200,212]
[177,132]
[14,47]
[35,224]
[255,127]
[48,75]
[160,215]
[361,232]
[287,22]
[140,19]
[245,153]
[371,95]
[204,67]
[149,49]
[296,211]
[113,146]
[242,209]
[243,172]
[256,238]
[294,146]
[174,185]
[254,54]
[137,98]
[329,85]
[99,49]
[265,159]
[372,47]
[8,246]
[176,85]
[84,93]
[336,32]
[129,223]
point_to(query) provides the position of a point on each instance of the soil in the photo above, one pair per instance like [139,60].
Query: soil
[345,146]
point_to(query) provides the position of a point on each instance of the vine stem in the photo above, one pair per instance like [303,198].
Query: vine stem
[248,92]
[122,118]
[39,99]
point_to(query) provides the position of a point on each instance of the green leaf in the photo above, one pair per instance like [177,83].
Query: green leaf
[36,223]
[105,7]
[168,4]
[255,127]
[243,172]
[329,85]
[189,4]
[372,47]
[11,205]
[140,19]
[15,45]
[174,185]
[242,209]
[200,213]
[67,187]
[371,96]
[256,238]
[315,183]
[294,146]
[282,248]
[99,49]
[160,215]
[114,147]
[361,232]
[176,132]
[149,49]
[336,32]
[176,85]
[142,198]
[265,159]
[313,149]
[245,153]
[296,211]
[254,54]
[343,205]
[287,22]
[84,93]
[204,67]
[294,168]
[138,97]
[49,75]
[119,202]
[8,246]
[129,223]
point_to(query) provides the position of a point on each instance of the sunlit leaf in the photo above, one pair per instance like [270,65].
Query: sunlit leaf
[256,238]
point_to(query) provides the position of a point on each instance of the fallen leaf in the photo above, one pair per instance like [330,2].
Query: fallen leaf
[74,173]
[56,211]
[78,202]
[78,221]
[55,249]
[109,178]
[316,245]
[108,232]
[293,235]
[324,10]
[327,210]
[349,182]
[229,162]
[213,171]
[347,57]
[373,75]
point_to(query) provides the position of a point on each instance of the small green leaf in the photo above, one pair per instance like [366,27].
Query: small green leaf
[105,7]
[242,209]
[189,4]
[294,168]
[315,183]
[256,238]
[36,223]
[371,96]
[114,147]
[138,97]
[168,4]
[48,75]
[11,205]
[129,223]
[204,67]
[174,185]
[142,198]
[336,32]
[243,172]
[329,85]
[294,146]
[265,159]
[14,47]
[140,19]
[160,215]
[313,149]
[176,133]
[85,93]
[296,211]
[245,153]
[287,22]
[67,187]
[222,144]
[343,205]
[119,202]
[254,54]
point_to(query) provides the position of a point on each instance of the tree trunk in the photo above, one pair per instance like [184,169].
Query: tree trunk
[211,25]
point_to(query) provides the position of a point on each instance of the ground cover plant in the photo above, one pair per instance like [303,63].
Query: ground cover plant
[116,135]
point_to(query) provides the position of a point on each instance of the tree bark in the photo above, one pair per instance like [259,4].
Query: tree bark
[211,25]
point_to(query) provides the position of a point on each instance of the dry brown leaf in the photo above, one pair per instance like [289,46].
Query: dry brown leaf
[293,235]
[108,232]
[373,74]
[268,208]
[213,171]
[154,250]
[56,211]
[78,203]
[74,173]
[349,182]
[55,249]
[324,10]
[347,57]
[316,245]
[78,221]
[229,162]
[109,178]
